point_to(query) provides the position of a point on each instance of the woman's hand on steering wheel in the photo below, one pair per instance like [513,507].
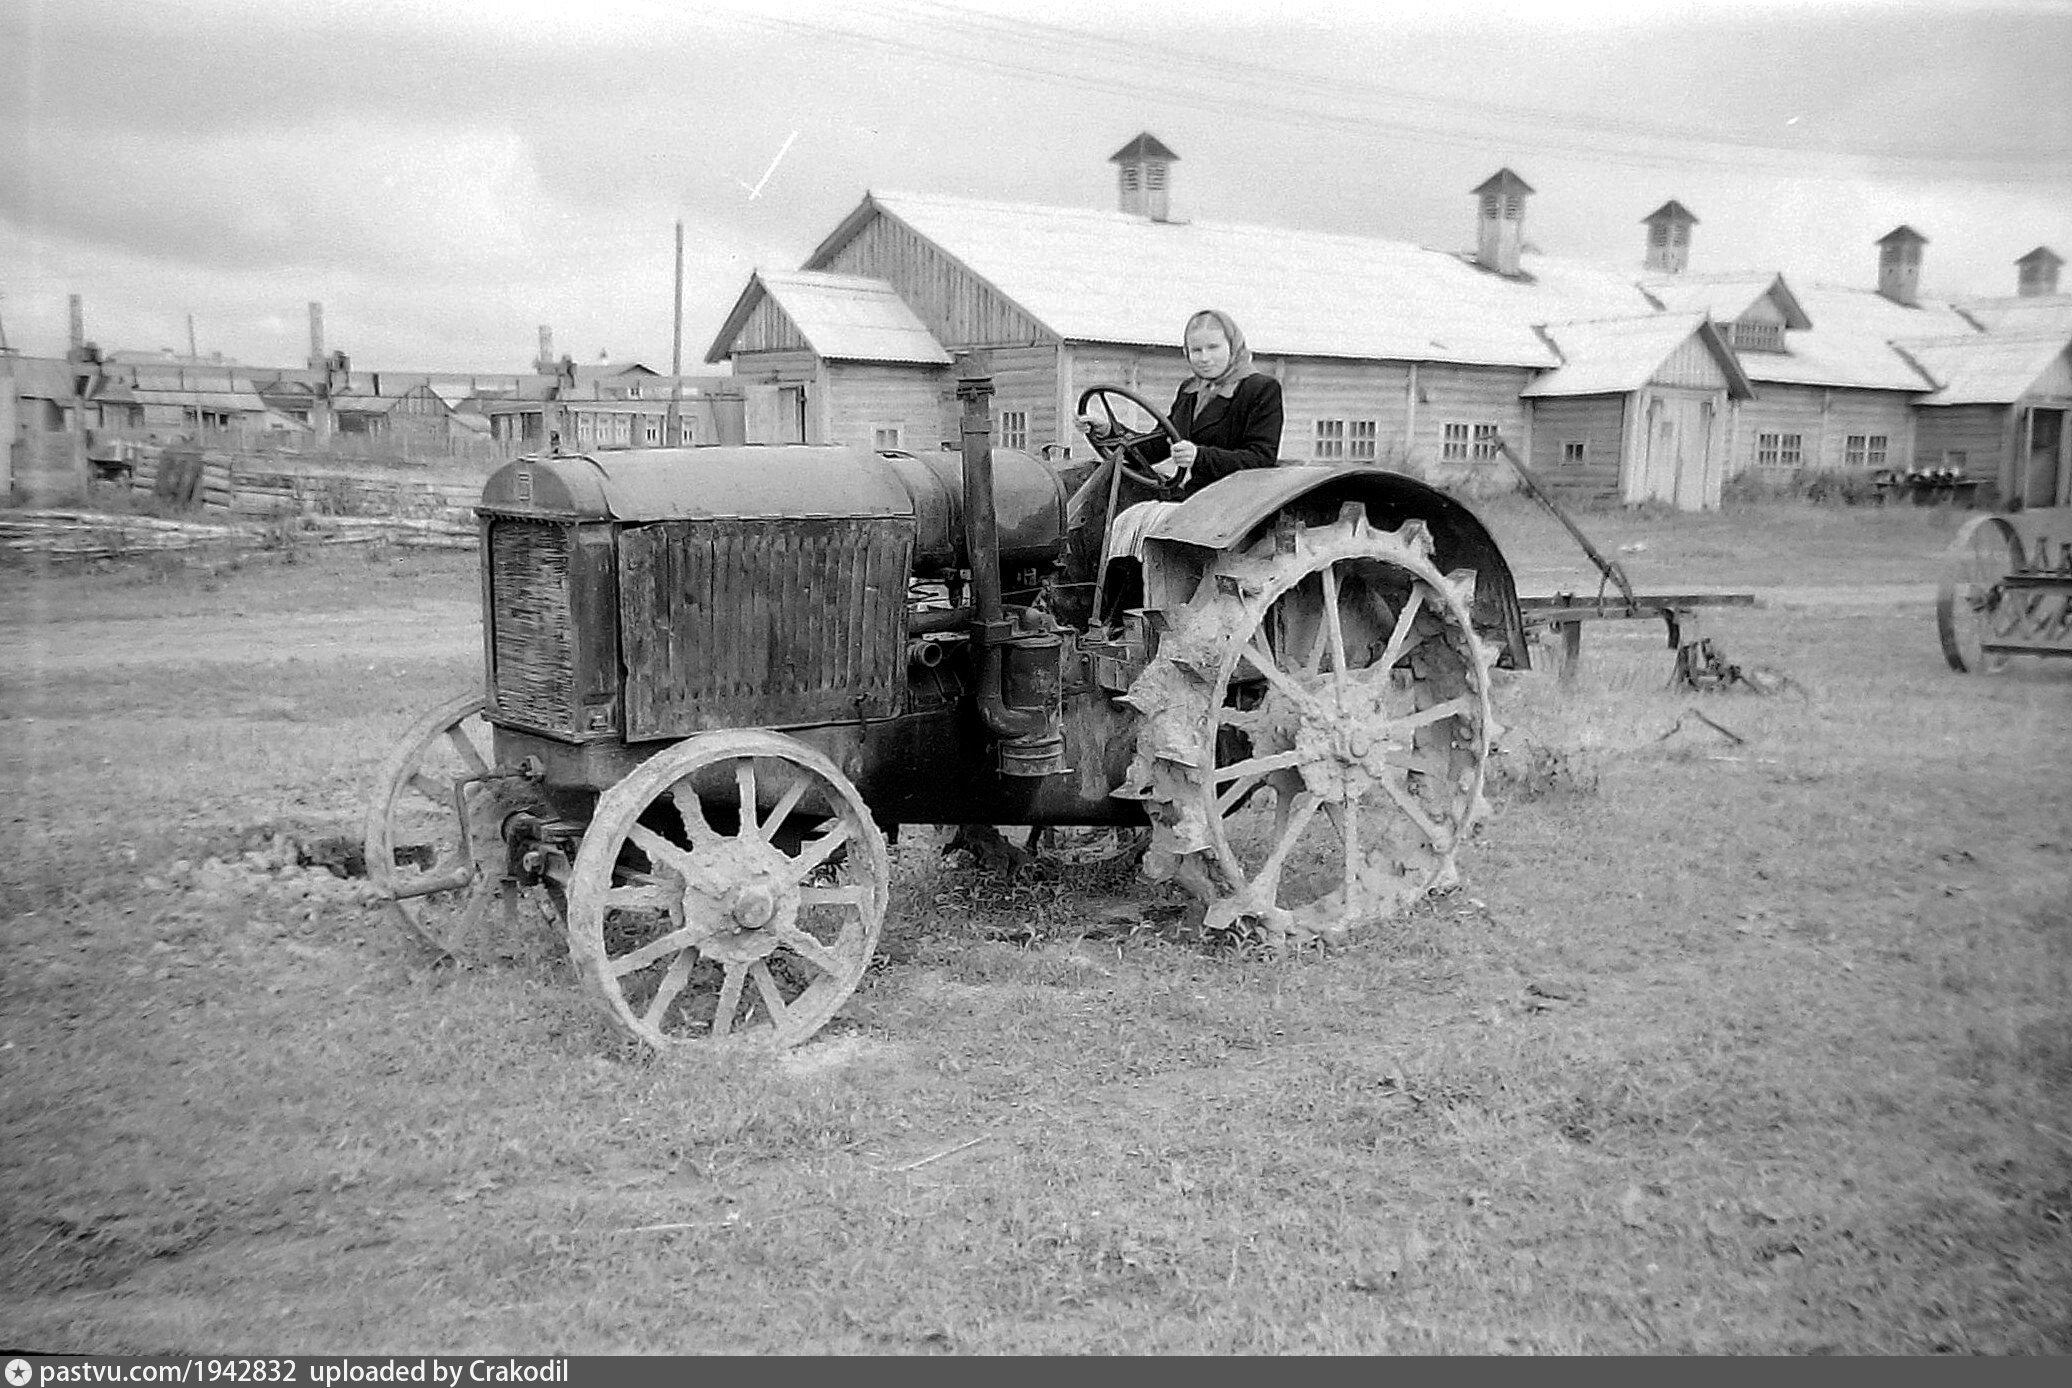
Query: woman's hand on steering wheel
[1120,445]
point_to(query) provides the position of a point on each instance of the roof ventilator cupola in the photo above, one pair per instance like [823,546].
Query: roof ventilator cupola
[1143,177]
[1500,222]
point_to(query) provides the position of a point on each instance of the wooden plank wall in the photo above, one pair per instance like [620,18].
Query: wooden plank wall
[769,330]
[1824,418]
[956,306]
[1470,395]
[1025,379]
[1776,409]
[1320,388]
[1979,432]
[1597,422]
[866,396]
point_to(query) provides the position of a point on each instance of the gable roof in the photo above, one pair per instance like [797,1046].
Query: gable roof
[1145,146]
[1725,297]
[1617,355]
[1500,182]
[1113,277]
[1672,211]
[1985,368]
[842,318]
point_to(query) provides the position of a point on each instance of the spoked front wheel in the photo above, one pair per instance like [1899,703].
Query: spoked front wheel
[733,885]
[434,830]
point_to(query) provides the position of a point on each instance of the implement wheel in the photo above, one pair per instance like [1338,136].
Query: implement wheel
[1971,605]
[1317,732]
[733,885]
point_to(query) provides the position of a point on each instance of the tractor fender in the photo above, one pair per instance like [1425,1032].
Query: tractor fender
[1235,510]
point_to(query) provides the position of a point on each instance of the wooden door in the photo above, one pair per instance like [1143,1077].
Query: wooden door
[2043,482]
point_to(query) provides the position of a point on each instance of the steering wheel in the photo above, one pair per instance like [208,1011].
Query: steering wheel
[1119,445]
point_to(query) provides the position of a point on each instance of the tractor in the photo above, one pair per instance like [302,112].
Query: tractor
[718,679]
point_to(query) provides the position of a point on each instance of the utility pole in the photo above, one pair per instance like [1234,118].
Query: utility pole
[671,437]
[193,352]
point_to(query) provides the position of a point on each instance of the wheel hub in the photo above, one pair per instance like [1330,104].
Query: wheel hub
[738,912]
[1344,738]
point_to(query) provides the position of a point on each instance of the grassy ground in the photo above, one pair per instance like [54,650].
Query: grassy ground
[1758,1046]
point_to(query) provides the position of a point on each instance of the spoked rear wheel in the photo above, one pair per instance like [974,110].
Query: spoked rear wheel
[1972,605]
[1316,744]
[733,885]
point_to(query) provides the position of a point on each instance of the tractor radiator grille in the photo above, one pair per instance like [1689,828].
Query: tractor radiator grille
[773,623]
[532,639]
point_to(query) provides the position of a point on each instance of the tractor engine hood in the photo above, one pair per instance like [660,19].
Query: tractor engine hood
[792,482]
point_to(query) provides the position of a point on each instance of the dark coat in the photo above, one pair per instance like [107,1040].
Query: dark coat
[1240,432]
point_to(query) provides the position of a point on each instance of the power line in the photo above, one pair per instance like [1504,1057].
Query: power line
[1206,85]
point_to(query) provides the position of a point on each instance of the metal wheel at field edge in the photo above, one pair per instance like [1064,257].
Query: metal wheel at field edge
[1971,603]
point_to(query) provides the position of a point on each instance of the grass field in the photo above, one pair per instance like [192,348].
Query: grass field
[1757,1046]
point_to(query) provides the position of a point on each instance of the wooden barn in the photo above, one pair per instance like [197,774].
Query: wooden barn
[1998,413]
[1387,352]
[1638,410]
[1829,390]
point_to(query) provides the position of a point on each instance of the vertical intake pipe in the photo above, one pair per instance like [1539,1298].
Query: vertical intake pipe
[1031,743]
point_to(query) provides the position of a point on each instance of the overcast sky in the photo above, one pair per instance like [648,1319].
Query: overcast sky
[445,175]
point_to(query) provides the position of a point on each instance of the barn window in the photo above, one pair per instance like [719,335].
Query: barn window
[651,428]
[632,390]
[885,437]
[686,431]
[1779,450]
[1485,443]
[1454,447]
[1575,453]
[1359,440]
[1490,205]
[1014,429]
[1864,450]
[1330,444]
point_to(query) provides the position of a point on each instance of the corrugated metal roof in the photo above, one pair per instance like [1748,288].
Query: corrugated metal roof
[1098,276]
[1613,356]
[1985,369]
[2040,313]
[851,318]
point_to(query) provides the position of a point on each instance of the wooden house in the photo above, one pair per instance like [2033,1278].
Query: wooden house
[828,358]
[1998,413]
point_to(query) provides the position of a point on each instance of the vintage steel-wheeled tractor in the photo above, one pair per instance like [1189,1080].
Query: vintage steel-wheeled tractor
[718,676]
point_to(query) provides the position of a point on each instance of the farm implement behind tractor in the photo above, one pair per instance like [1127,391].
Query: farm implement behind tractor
[2006,589]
